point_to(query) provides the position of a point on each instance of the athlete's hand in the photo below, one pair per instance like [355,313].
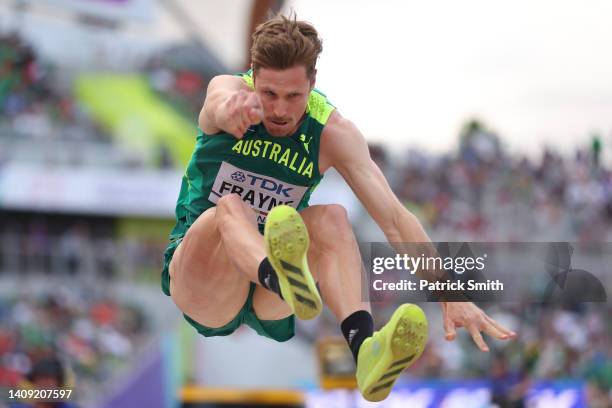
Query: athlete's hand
[470,316]
[241,110]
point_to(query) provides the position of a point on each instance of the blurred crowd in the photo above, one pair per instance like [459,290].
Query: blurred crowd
[481,193]
[33,102]
[77,248]
[181,87]
[87,335]
[554,342]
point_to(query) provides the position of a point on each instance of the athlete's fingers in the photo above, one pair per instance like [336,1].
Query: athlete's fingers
[255,115]
[237,133]
[247,121]
[235,110]
[241,97]
[244,121]
[493,331]
[242,129]
[253,101]
[234,103]
[449,328]
[239,130]
[500,327]
[475,333]
[246,109]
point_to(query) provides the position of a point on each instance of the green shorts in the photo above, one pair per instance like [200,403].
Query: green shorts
[279,330]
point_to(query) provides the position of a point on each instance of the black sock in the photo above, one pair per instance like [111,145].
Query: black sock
[268,278]
[356,328]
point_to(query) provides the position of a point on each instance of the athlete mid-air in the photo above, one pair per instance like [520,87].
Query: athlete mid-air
[266,139]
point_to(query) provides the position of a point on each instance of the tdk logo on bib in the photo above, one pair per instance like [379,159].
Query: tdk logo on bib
[238,176]
[262,193]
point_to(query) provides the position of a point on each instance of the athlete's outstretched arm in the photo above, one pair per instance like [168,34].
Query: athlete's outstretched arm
[230,106]
[344,148]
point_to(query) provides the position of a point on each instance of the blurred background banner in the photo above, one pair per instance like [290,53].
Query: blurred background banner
[426,394]
[102,192]
[492,123]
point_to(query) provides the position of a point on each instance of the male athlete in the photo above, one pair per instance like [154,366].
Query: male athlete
[266,139]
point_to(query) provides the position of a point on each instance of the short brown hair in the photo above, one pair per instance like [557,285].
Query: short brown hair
[283,42]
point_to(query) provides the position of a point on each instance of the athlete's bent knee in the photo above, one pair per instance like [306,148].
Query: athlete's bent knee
[231,208]
[201,225]
[230,203]
[334,221]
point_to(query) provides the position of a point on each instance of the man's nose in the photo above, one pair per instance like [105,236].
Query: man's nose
[280,110]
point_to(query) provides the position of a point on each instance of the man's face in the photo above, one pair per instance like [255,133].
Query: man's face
[284,94]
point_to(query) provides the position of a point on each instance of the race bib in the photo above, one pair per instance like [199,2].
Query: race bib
[261,193]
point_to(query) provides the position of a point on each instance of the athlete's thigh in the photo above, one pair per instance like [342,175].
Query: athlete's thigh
[327,224]
[319,220]
[203,282]
[322,218]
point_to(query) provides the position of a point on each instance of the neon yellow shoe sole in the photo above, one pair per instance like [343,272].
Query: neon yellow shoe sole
[384,356]
[287,241]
